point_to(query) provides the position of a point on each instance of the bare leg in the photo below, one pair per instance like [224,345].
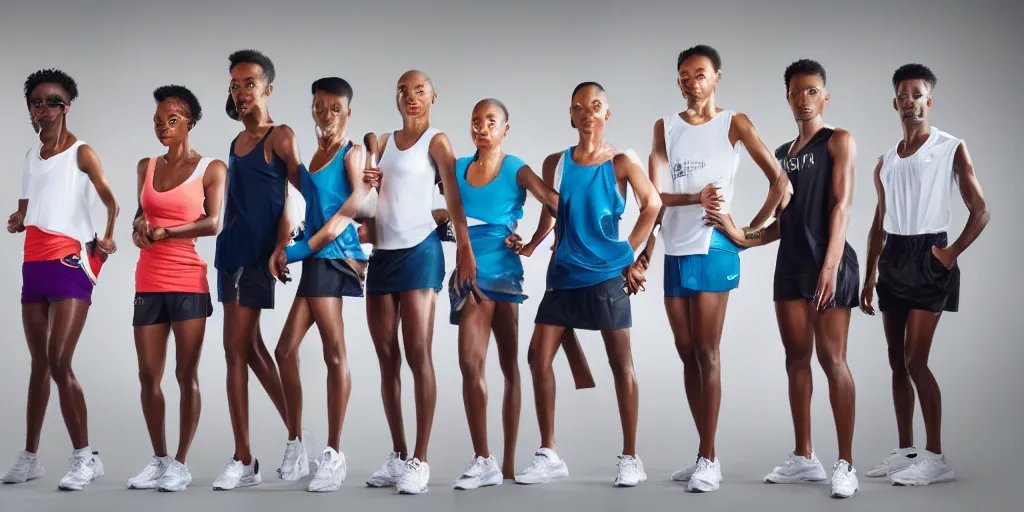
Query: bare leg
[920,333]
[68,320]
[541,355]
[188,343]
[36,319]
[707,314]
[151,349]
[239,332]
[620,356]
[831,328]
[797,334]
[262,364]
[474,337]
[300,319]
[506,335]
[382,315]
[418,334]
[678,309]
[327,314]
[895,324]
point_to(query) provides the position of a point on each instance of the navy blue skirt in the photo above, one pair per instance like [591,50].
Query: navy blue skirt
[600,307]
[400,270]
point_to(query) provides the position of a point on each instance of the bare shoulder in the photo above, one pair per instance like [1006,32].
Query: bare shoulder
[841,138]
[141,166]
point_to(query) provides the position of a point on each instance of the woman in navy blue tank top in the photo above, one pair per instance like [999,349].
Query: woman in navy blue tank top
[492,187]
[263,159]
[591,275]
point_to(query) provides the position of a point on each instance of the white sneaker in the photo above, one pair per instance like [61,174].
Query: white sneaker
[546,466]
[844,479]
[26,467]
[683,475]
[706,478]
[630,471]
[389,473]
[331,471]
[479,473]
[84,469]
[237,474]
[175,479]
[148,477]
[898,460]
[295,463]
[415,478]
[928,468]
[797,468]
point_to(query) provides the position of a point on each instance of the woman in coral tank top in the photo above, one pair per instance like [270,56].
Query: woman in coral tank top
[180,199]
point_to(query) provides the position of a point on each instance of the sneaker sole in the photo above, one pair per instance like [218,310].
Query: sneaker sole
[841,497]
[380,485]
[945,477]
[778,479]
[409,492]
[540,481]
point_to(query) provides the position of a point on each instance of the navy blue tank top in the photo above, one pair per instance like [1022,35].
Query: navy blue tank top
[254,203]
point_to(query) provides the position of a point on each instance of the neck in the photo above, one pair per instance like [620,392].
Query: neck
[914,132]
[53,138]
[703,108]
[255,124]
[336,139]
[416,125]
[809,127]
[591,142]
[489,157]
[179,152]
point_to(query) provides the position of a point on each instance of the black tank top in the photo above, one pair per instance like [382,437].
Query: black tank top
[806,221]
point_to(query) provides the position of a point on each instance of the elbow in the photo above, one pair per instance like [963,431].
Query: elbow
[213,226]
[654,205]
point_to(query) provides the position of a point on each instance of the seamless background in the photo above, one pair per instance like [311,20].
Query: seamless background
[530,54]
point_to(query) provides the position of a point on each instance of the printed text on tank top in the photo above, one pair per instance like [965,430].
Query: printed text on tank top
[794,161]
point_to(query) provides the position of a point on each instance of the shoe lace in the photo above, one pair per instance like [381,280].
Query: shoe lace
[841,468]
[703,464]
[22,465]
[413,465]
[290,452]
[539,460]
[323,466]
[77,464]
[627,463]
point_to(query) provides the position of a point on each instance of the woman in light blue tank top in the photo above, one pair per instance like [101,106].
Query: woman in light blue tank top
[333,264]
[493,188]
[591,274]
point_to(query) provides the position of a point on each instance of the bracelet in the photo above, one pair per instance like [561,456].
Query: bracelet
[749,235]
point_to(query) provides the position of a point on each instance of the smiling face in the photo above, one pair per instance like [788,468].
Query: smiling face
[414,95]
[807,96]
[249,89]
[47,105]
[330,112]
[589,110]
[913,100]
[172,121]
[488,125]
[697,78]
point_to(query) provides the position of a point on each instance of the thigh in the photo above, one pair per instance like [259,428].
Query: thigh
[326,313]
[617,345]
[795,326]
[188,341]
[417,314]
[35,317]
[475,329]
[920,332]
[505,325]
[678,310]
[382,318]
[707,317]
[544,344]
[300,319]
[240,325]
[151,347]
[831,330]
[68,321]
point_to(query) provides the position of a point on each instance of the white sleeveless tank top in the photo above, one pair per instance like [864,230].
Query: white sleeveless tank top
[406,195]
[60,196]
[697,155]
[918,188]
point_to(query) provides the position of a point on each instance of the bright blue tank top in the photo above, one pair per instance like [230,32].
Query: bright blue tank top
[325,191]
[587,246]
[255,196]
[493,212]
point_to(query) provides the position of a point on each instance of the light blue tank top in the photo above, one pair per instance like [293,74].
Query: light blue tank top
[493,212]
[588,250]
[325,191]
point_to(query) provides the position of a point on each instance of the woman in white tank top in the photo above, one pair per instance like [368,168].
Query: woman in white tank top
[693,163]
[914,267]
[406,270]
[63,256]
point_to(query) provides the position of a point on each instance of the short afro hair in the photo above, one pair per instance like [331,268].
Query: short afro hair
[804,67]
[701,50]
[181,93]
[51,76]
[249,57]
[333,85]
[580,87]
[913,72]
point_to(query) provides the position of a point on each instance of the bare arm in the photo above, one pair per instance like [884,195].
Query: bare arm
[647,197]
[214,183]
[657,164]
[540,190]
[341,219]
[743,130]
[89,163]
[444,158]
[547,219]
[974,199]
[876,236]
[844,158]
[287,149]
[140,170]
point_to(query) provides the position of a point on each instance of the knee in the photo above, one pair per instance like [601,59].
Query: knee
[389,358]
[916,367]
[832,364]
[538,365]
[622,367]
[187,378]
[897,361]
[284,353]
[334,356]
[798,359]
[149,379]
[707,356]
[60,370]
[472,366]
[686,352]
[40,366]
[236,354]
[510,369]
[419,359]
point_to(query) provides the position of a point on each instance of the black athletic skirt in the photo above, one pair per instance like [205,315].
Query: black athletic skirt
[323,277]
[911,277]
[795,281]
[600,307]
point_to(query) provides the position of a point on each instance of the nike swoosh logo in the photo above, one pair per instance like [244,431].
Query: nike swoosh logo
[732,277]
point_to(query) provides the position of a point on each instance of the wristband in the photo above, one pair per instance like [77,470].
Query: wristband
[298,251]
